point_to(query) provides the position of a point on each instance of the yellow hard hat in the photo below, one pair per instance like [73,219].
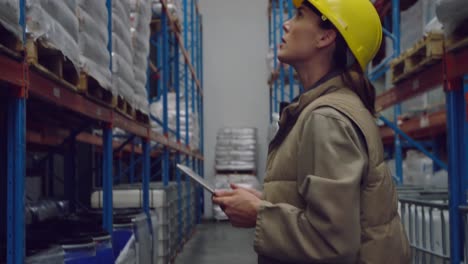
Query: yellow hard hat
[357,21]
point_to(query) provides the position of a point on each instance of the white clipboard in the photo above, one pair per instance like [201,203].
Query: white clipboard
[196,177]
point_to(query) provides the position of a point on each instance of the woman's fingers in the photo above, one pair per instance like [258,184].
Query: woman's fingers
[252,191]
[220,200]
[223,193]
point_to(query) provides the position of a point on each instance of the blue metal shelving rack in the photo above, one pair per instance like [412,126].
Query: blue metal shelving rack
[455,69]
[284,85]
[181,66]
[22,82]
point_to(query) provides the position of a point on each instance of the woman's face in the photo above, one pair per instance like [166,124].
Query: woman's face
[302,38]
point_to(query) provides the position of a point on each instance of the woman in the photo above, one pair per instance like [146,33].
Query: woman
[328,196]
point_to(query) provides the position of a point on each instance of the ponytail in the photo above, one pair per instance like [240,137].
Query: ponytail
[360,85]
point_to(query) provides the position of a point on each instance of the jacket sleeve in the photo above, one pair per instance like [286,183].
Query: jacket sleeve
[331,161]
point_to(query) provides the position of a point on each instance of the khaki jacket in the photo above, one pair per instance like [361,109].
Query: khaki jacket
[329,197]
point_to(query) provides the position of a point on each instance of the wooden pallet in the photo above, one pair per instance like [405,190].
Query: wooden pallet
[93,90]
[125,108]
[141,117]
[426,52]
[52,63]
[10,44]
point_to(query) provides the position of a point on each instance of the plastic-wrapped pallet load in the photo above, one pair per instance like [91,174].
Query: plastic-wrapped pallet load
[9,16]
[236,149]
[55,24]
[143,239]
[93,41]
[418,170]
[193,127]
[428,102]
[122,57]
[162,202]
[411,25]
[140,18]
[139,248]
[451,13]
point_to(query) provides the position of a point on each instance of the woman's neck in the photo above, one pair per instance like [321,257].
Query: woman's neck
[310,73]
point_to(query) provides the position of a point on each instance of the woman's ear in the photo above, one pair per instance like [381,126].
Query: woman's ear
[327,38]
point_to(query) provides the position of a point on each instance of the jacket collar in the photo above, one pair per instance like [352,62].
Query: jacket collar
[291,113]
[322,80]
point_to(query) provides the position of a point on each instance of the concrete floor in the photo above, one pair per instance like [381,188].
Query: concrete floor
[215,243]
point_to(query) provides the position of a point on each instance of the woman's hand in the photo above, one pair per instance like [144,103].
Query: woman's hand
[252,191]
[240,205]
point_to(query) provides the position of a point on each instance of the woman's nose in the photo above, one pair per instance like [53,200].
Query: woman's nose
[286,26]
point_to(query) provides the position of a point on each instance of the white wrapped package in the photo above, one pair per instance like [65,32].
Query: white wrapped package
[236,149]
[411,25]
[140,19]
[122,68]
[9,16]
[194,134]
[93,41]
[55,24]
[235,166]
[120,48]
[122,61]
[451,13]
[122,77]
[123,89]
[417,169]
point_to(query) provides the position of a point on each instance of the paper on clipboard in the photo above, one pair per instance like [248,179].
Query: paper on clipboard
[196,177]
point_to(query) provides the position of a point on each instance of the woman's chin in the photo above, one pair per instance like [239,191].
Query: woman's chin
[283,58]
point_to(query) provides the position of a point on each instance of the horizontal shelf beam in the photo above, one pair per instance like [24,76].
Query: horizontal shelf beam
[420,83]
[56,93]
[125,123]
[55,140]
[11,71]
[417,128]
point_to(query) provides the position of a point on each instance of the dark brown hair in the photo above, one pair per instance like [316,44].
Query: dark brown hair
[360,85]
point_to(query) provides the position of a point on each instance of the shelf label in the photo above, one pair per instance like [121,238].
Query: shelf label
[424,121]
[98,111]
[56,92]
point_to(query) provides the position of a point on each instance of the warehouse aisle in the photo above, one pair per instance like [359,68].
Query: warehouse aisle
[215,243]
